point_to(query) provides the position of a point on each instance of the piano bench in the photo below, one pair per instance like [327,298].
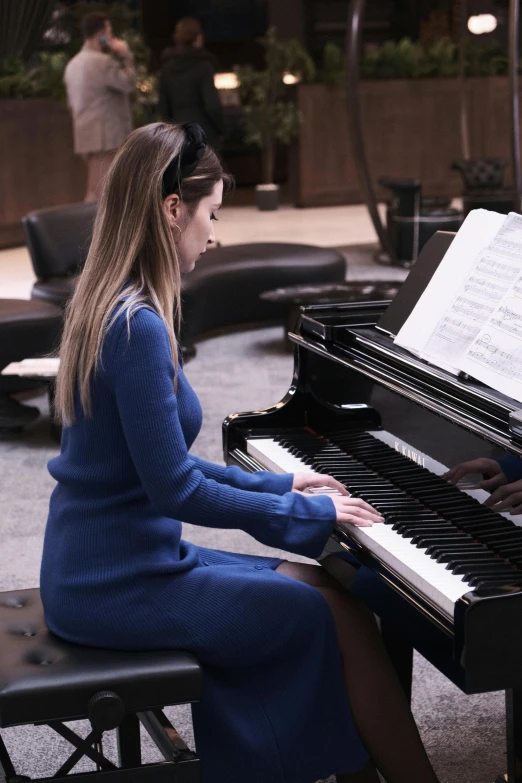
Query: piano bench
[45,680]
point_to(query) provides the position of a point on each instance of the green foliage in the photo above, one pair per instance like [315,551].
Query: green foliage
[270,113]
[333,66]
[42,79]
[408,60]
[486,60]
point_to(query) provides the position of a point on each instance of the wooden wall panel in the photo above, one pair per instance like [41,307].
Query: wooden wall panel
[411,129]
[37,165]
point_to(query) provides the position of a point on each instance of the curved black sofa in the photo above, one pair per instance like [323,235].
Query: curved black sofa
[223,290]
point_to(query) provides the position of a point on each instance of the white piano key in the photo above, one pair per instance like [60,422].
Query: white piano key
[274,457]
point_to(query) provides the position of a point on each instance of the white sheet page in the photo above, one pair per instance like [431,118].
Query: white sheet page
[475,273]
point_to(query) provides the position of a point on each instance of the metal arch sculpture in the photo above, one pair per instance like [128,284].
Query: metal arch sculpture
[352,46]
[513,42]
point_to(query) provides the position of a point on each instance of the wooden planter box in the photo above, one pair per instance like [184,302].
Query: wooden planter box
[37,165]
[411,129]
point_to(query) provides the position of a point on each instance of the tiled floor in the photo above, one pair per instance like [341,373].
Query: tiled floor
[325,226]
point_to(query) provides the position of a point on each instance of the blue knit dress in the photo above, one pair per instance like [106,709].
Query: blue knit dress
[116,572]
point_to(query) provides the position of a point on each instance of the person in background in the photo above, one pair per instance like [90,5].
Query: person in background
[98,82]
[186,85]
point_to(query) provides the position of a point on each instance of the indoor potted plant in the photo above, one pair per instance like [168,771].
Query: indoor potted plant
[270,112]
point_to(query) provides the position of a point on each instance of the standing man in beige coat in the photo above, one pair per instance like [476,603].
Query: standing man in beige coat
[98,82]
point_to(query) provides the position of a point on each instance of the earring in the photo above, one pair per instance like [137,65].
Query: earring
[177,241]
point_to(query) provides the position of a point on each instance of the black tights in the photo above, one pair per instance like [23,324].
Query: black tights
[379,706]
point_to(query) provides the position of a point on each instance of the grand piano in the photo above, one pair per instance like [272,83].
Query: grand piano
[443,573]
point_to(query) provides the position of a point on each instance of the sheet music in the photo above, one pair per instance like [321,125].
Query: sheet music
[479,268]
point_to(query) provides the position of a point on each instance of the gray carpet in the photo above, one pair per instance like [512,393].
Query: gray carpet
[239,372]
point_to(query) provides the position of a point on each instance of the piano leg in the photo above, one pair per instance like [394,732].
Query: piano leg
[513,736]
[400,653]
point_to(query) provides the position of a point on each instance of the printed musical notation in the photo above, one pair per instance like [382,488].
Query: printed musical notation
[508,319]
[489,267]
[493,356]
[477,311]
[484,288]
[456,327]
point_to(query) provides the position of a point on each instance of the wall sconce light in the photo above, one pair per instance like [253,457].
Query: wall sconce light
[226,81]
[482,23]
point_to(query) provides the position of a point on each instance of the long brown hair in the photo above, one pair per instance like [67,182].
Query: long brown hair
[132,255]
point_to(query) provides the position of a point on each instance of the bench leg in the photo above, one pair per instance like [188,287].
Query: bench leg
[6,767]
[165,737]
[129,742]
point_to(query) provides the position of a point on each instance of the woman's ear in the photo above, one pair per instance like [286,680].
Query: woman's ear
[172,207]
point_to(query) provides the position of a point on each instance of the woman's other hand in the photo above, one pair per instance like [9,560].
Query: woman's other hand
[303,481]
[488,467]
[507,498]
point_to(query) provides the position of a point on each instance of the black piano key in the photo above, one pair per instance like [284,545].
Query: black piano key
[412,528]
[477,526]
[417,522]
[422,540]
[381,497]
[501,539]
[465,555]
[383,508]
[449,553]
[508,550]
[486,571]
[428,527]
[501,581]
[478,567]
[415,479]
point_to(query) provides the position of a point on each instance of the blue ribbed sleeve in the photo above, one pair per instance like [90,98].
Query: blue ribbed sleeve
[141,374]
[262,481]
[512,467]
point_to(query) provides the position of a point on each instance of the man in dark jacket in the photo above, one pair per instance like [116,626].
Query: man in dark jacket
[186,85]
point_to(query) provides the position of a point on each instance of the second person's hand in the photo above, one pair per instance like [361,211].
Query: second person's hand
[507,498]
[488,467]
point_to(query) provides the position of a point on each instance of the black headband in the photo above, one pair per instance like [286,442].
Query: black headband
[186,162]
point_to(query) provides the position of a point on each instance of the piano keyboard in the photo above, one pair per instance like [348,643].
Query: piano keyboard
[435,537]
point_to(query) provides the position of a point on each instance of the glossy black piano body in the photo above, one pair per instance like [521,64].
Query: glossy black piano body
[354,376]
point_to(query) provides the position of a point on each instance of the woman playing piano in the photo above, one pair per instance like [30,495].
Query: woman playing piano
[296,683]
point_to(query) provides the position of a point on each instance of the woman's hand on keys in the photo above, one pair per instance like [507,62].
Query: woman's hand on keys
[354,511]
